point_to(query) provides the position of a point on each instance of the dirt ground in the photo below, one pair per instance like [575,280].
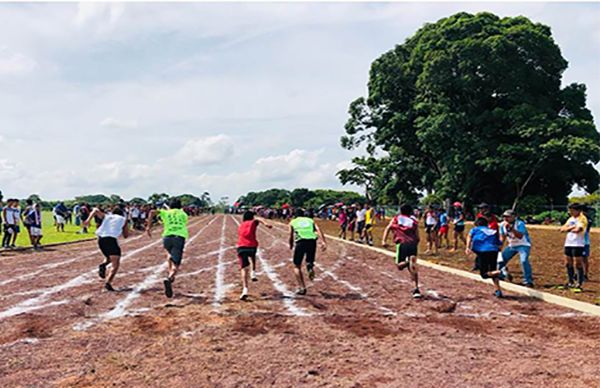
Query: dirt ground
[357,327]
[546,259]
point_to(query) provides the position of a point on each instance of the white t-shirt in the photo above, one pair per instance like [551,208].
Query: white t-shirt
[576,239]
[112,226]
[135,212]
[361,215]
[430,219]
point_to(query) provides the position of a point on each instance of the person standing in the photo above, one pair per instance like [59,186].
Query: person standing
[114,225]
[343,222]
[405,228]
[26,219]
[246,249]
[369,222]
[431,220]
[361,215]
[458,222]
[60,214]
[443,230]
[587,247]
[34,218]
[174,235]
[514,231]
[303,240]
[351,217]
[575,228]
[11,224]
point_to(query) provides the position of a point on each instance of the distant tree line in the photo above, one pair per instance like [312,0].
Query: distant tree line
[300,197]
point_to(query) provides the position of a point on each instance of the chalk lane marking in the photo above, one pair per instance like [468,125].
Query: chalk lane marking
[122,306]
[288,297]
[220,288]
[37,302]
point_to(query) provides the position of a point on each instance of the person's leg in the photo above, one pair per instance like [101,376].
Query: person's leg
[412,269]
[525,264]
[311,253]
[570,269]
[580,271]
[299,252]
[115,262]
[14,238]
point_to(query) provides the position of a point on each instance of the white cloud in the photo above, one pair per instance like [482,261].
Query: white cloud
[103,13]
[111,122]
[12,63]
[205,151]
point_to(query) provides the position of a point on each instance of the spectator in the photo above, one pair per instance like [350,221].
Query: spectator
[514,231]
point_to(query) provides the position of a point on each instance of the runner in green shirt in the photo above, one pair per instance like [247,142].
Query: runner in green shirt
[304,234]
[174,235]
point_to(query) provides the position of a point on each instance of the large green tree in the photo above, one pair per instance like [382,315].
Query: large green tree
[472,107]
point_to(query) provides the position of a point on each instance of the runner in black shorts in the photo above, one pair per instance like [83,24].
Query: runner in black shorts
[303,234]
[485,242]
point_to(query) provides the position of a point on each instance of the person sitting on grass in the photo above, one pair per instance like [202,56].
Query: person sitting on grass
[485,242]
[575,228]
[246,249]
[406,236]
[113,226]
[304,233]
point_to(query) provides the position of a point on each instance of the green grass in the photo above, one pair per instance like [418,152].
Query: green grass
[51,235]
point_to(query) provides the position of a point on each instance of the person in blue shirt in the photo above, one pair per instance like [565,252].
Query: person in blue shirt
[485,242]
[587,246]
[514,231]
[443,231]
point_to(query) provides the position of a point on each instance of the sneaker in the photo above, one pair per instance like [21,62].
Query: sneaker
[528,285]
[108,287]
[577,289]
[311,274]
[416,293]
[168,288]
[244,294]
[301,291]
[253,276]
[506,275]
[570,285]
[498,294]
[102,270]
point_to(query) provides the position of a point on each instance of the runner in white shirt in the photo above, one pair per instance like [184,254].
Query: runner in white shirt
[113,225]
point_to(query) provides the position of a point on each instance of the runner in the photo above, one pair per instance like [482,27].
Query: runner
[443,231]
[484,241]
[343,221]
[431,220]
[246,249]
[369,221]
[174,235]
[113,226]
[513,230]
[458,221]
[574,245]
[303,239]
[406,236]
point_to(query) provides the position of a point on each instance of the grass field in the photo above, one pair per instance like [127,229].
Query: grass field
[51,236]
[546,259]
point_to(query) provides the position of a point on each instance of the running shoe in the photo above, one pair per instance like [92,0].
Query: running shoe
[570,285]
[498,294]
[168,288]
[244,294]
[311,274]
[108,287]
[253,276]
[577,289]
[416,294]
[102,270]
[301,291]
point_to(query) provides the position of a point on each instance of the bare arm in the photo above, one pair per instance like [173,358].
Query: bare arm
[94,212]
[386,232]
[149,219]
[320,233]
[125,231]
[468,250]
[263,222]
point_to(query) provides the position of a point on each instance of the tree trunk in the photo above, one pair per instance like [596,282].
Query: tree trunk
[521,190]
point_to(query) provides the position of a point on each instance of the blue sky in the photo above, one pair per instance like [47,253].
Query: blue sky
[137,98]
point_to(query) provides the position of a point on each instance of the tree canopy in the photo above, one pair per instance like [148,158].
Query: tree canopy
[300,197]
[472,107]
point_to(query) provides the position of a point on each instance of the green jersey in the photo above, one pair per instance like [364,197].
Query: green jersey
[175,222]
[304,228]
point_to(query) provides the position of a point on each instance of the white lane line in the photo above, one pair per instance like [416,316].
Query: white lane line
[38,301]
[288,297]
[220,286]
[122,307]
[45,267]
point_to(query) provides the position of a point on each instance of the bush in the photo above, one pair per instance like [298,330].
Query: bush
[554,215]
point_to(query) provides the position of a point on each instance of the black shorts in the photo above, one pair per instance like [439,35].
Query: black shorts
[245,254]
[344,226]
[487,261]
[405,251]
[459,228]
[174,245]
[429,228]
[109,246]
[368,227]
[574,251]
[360,225]
[306,248]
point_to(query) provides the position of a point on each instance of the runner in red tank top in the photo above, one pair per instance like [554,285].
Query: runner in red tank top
[246,249]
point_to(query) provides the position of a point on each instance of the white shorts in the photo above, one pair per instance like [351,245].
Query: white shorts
[60,219]
[35,232]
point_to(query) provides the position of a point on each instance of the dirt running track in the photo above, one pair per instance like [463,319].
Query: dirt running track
[358,325]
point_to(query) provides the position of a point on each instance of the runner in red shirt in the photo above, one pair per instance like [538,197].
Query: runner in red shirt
[246,249]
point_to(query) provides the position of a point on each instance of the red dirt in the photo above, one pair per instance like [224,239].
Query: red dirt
[363,328]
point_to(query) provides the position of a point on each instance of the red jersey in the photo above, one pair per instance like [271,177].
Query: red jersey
[405,230]
[492,221]
[247,234]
